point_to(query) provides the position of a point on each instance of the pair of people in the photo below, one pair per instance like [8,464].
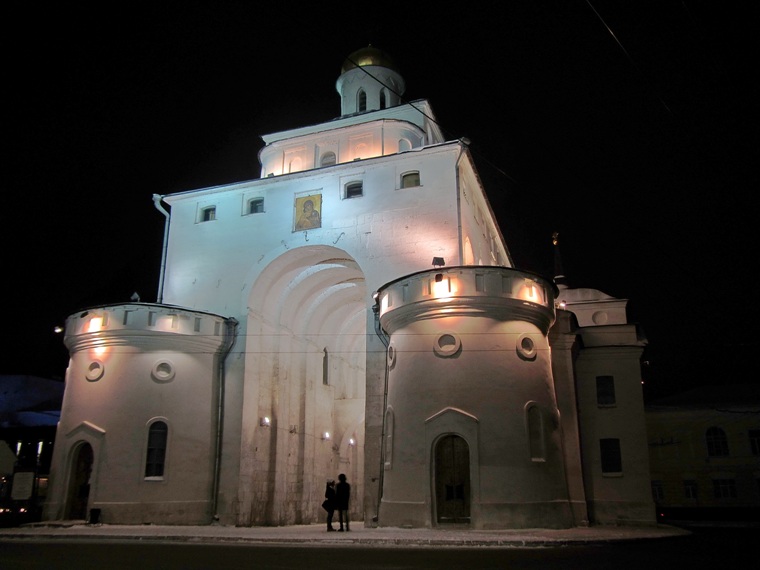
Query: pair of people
[336,499]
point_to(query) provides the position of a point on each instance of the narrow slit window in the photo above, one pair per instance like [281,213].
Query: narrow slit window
[325,368]
[362,96]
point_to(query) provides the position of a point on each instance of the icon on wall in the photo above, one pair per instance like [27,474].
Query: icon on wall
[307,212]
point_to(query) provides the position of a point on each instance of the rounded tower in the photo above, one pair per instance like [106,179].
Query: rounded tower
[369,80]
[471,432]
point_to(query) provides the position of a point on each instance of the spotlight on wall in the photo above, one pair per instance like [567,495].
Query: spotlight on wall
[265,421]
[438,262]
[352,442]
[326,436]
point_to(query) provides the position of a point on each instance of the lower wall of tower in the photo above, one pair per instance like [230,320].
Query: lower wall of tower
[622,512]
[549,514]
[404,514]
[164,513]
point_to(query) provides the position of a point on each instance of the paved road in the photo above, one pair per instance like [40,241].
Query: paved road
[359,535]
[707,548]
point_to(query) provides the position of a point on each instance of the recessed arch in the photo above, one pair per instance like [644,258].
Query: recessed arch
[308,302]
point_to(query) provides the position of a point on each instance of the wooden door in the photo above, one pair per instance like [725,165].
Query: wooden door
[452,480]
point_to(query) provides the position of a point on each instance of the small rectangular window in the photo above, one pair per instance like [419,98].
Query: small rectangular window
[724,488]
[689,489]
[658,491]
[208,214]
[605,390]
[354,190]
[256,206]
[754,441]
[612,461]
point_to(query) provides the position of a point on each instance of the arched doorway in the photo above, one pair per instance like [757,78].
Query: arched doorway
[452,480]
[79,486]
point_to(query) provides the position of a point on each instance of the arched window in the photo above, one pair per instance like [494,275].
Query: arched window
[156,455]
[354,190]
[295,164]
[256,206]
[362,100]
[536,434]
[383,103]
[208,214]
[410,179]
[328,159]
[717,443]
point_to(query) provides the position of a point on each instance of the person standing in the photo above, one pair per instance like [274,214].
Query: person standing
[342,497]
[329,504]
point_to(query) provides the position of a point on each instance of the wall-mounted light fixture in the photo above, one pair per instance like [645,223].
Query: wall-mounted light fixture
[351,442]
[265,421]
[326,436]
[438,262]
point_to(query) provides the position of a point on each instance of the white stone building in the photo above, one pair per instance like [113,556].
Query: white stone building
[354,310]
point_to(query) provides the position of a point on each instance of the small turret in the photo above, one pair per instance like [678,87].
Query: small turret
[369,80]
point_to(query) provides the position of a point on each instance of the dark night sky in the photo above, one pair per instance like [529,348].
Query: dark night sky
[626,126]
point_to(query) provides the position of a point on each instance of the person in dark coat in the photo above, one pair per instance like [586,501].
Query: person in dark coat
[329,503]
[342,497]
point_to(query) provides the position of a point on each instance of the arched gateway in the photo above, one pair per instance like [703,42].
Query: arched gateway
[304,391]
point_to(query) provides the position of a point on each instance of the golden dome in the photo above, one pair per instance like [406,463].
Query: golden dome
[368,56]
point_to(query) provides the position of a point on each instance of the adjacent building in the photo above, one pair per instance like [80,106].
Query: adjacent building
[704,448]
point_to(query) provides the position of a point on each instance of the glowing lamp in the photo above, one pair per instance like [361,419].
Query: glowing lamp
[530,292]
